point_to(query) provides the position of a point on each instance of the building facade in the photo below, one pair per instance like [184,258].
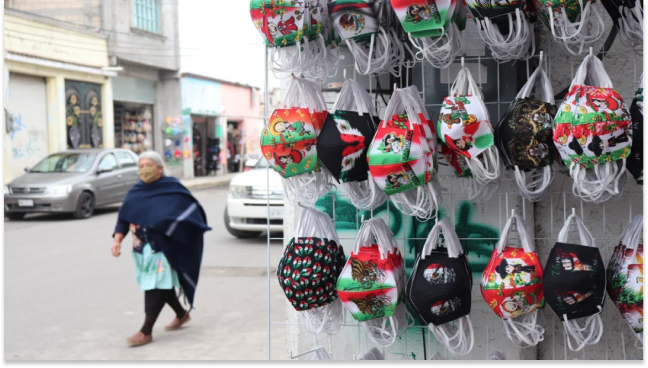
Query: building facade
[143,45]
[56,96]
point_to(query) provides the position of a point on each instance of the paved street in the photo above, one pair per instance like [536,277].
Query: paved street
[67,297]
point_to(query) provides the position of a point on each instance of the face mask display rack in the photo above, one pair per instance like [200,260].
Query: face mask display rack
[603,219]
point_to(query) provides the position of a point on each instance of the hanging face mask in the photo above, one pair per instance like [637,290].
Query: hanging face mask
[574,285]
[438,290]
[592,131]
[464,126]
[635,160]
[371,285]
[524,137]
[505,28]
[574,24]
[625,278]
[512,285]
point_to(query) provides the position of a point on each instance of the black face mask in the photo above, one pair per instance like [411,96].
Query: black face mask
[524,136]
[343,144]
[635,160]
[439,288]
[574,281]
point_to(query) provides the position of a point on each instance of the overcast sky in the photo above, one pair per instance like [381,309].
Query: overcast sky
[219,40]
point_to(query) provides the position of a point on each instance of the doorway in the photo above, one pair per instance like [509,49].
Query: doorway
[233,146]
[199,139]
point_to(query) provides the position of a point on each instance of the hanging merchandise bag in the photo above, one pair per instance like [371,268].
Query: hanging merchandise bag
[574,285]
[512,285]
[309,269]
[400,158]
[439,287]
[625,277]
[289,140]
[574,24]
[524,137]
[635,160]
[505,28]
[593,133]
[469,187]
[345,139]
[464,126]
[372,284]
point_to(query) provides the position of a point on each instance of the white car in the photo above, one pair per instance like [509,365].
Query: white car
[247,213]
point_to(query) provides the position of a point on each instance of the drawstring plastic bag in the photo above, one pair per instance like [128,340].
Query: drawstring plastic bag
[512,285]
[592,132]
[573,23]
[347,134]
[401,160]
[505,28]
[635,160]
[625,277]
[438,290]
[289,140]
[464,126]
[434,28]
[524,137]
[471,188]
[574,285]
[627,16]
[372,283]
[309,270]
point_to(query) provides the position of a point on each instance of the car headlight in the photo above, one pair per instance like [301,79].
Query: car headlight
[6,190]
[239,191]
[59,189]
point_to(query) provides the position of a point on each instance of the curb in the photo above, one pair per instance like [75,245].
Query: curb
[208,185]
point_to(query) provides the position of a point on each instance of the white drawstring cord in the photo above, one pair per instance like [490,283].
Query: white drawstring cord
[455,339]
[523,331]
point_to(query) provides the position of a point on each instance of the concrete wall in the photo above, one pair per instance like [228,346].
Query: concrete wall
[83,12]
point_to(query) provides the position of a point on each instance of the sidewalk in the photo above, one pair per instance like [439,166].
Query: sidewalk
[208,181]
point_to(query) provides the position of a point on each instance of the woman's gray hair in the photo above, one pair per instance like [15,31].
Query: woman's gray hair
[156,158]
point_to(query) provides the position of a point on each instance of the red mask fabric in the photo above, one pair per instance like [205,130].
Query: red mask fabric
[512,285]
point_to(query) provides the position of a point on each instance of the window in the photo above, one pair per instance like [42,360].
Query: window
[126,159]
[108,163]
[75,162]
[146,15]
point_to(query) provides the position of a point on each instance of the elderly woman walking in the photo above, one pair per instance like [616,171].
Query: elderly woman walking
[167,224]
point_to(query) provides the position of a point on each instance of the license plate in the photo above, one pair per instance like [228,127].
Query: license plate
[26,203]
[276,213]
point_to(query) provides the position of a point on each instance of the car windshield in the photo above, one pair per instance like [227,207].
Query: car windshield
[261,164]
[66,162]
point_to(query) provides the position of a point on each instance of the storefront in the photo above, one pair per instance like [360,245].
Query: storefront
[134,107]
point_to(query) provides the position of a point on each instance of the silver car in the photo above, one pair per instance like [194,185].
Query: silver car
[75,182]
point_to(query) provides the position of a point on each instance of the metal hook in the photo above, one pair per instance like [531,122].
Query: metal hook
[344,74]
[513,212]
[395,87]
[362,219]
[591,51]
[573,211]
[463,62]
[541,55]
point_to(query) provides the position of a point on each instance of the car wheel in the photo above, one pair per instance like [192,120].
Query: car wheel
[239,233]
[85,206]
[15,215]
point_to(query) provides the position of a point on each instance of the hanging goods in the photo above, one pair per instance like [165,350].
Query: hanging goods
[627,16]
[505,27]
[289,141]
[470,188]
[635,160]
[346,136]
[299,35]
[309,270]
[438,290]
[464,126]
[401,160]
[434,28]
[592,132]
[512,284]
[359,24]
[625,277]
[574,285]
[524,137]
[372,283]
[574,24]
[371,354]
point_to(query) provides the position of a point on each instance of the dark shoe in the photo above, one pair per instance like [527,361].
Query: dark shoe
[177,322]
[139,339]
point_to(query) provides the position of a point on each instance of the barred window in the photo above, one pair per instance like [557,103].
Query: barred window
[146,15]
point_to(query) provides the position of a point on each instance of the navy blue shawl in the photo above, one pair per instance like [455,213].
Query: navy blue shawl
[176,221]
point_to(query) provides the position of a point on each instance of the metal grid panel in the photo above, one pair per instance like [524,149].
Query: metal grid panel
[547,217]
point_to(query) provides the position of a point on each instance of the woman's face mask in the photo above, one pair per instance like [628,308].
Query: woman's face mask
[464,127]
[149,174]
